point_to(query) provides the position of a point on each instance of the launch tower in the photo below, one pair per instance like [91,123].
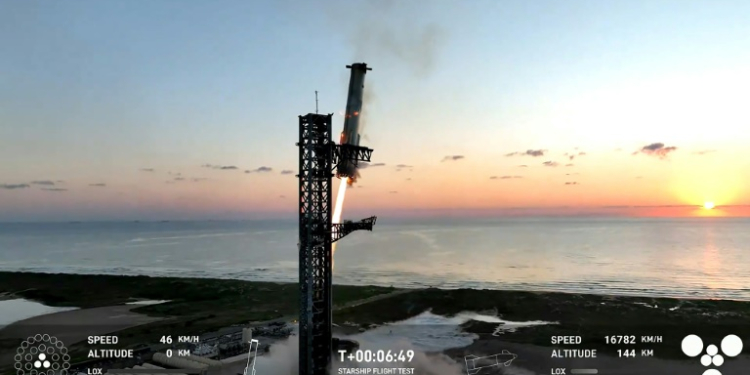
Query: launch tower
[319,156]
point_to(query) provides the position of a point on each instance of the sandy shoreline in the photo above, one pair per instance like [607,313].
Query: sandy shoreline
[74,326]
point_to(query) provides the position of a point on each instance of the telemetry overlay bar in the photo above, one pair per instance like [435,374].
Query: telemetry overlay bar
[154,371]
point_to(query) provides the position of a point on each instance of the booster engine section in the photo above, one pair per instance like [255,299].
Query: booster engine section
[350,135]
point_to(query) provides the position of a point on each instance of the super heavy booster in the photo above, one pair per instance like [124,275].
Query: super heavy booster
[351,135]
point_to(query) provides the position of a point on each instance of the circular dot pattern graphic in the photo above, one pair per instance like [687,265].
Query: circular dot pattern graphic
[42,355]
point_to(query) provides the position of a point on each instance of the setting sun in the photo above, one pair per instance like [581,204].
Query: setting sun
[708,205]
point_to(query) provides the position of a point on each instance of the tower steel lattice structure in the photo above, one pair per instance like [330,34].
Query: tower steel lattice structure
[318,156]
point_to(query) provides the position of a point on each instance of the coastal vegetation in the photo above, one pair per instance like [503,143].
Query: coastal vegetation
[196,306]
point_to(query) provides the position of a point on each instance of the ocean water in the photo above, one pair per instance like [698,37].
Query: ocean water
[693,258]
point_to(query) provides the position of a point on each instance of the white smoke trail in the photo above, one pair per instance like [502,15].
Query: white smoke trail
[282,359]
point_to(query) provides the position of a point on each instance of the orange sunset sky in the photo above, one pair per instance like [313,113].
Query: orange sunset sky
[172,110]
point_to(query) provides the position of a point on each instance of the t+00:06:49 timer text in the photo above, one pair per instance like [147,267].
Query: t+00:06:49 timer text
[368,356]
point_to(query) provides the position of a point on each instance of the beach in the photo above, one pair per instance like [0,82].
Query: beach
[478,322]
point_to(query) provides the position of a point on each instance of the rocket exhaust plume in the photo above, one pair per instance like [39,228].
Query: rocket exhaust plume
[337,210]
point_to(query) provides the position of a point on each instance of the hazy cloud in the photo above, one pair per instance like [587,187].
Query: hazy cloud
[534,153]
[399,167]
[656,149]
[408,179]
[618,149]
[571,183]
[572,174]
[282,196]
[259,170]
[704,152]
[98,185]
[14,186]
[193,179]
[59,190]
[147,169]
[453,157]
[221,167]
[287,171]
[504,177]
[572,155]
[568,165]
[393,192]
[523,166]
[43,182]
[550,164]
[368,165]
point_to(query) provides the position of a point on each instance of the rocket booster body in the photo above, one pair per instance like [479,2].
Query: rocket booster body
[350,135]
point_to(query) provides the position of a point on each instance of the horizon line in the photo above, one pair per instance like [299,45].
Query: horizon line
[484,217]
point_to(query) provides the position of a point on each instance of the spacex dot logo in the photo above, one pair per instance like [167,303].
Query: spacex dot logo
[42,355]
[731,346]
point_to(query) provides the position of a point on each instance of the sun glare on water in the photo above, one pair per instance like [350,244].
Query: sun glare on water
[708,205]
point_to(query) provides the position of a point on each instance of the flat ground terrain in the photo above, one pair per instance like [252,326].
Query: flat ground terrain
[196,306]
[200,305]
